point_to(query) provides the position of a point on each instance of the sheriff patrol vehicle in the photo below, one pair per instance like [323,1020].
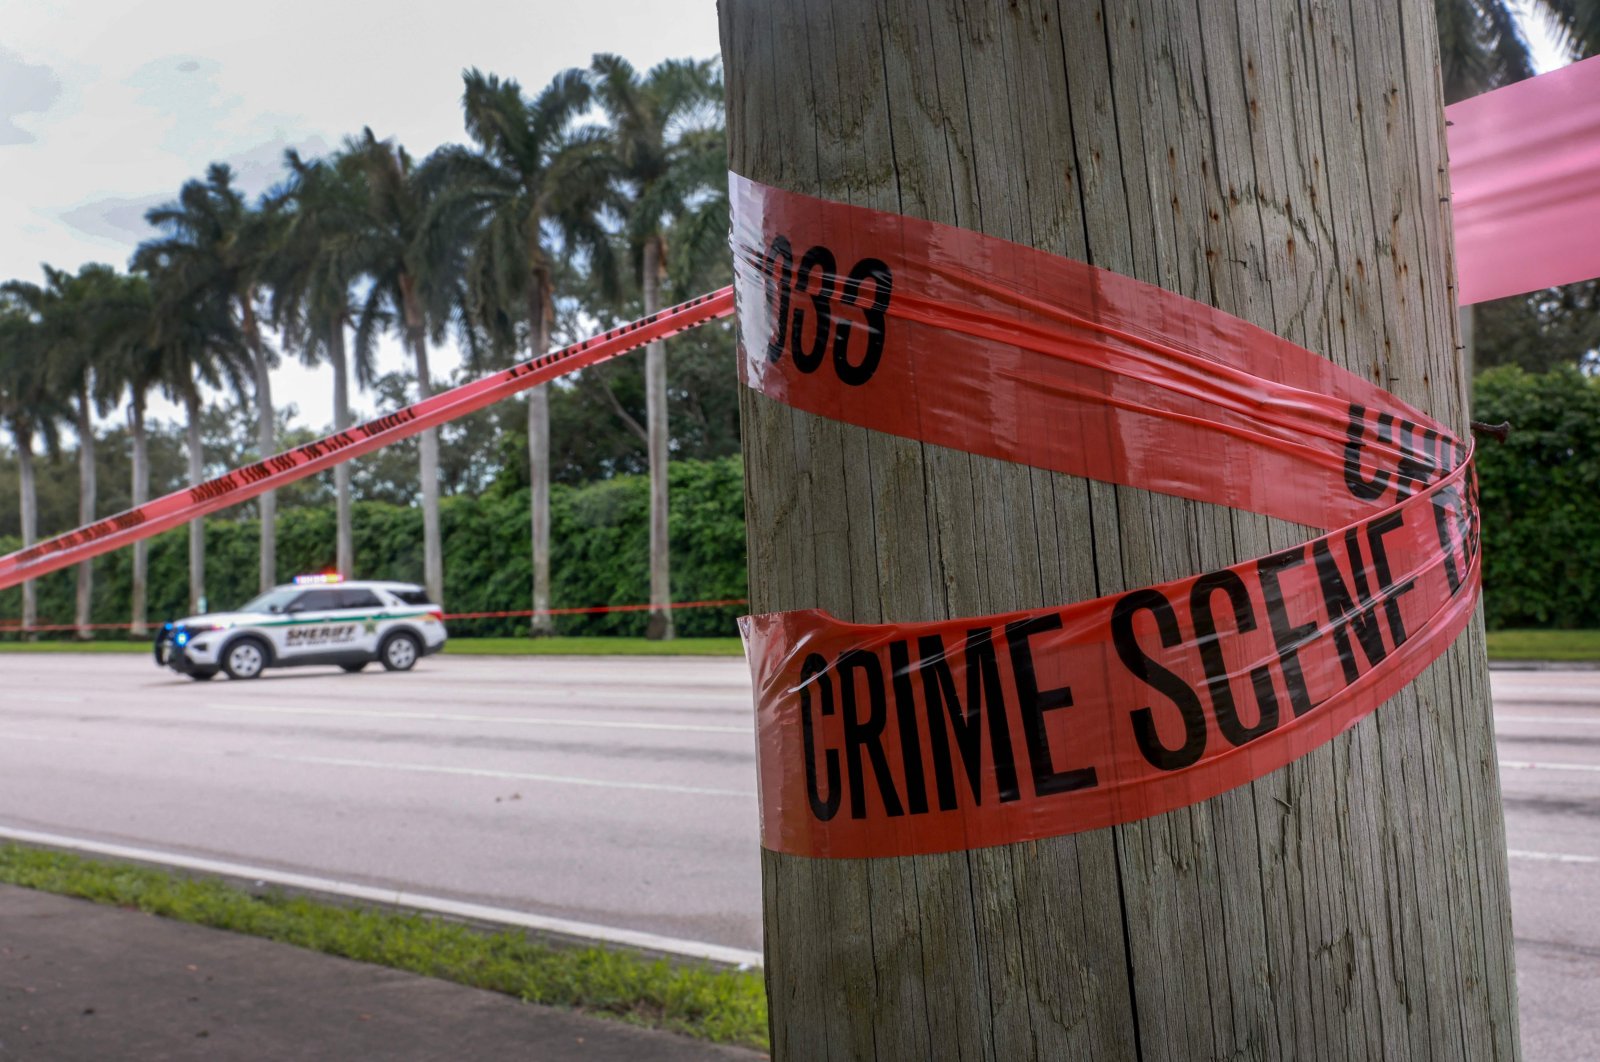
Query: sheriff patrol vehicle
[320,619]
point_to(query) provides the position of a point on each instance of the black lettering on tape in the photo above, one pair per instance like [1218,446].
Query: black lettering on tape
[1152,674]
[865,734]
[1287,636]
[1209,642]
[814,675]
[984,698]
[1034,702]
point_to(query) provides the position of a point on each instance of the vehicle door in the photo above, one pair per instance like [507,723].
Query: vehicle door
[314,625]
[365,611]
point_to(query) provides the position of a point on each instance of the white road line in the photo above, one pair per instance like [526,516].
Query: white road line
[695,949]
[1527,765]
[522,720]
[479,772]
[1544,719]
[1552,857]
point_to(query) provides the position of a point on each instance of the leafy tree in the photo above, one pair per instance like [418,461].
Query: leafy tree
[671,160]
[216,244]
[533,191]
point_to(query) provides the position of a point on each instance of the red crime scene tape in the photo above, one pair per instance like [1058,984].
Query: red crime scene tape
[181,506]
[906,738]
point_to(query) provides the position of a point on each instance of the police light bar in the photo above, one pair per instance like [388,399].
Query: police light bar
[318,580]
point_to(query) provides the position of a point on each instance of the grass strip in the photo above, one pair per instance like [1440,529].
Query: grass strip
[597,646]
[1544,645]
[720,1005]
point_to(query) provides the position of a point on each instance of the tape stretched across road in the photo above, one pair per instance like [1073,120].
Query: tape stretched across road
[899,739]
[242,484]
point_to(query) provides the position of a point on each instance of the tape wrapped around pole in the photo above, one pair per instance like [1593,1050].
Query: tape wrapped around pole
[905,739]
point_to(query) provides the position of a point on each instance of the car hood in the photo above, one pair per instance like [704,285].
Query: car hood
[223,619]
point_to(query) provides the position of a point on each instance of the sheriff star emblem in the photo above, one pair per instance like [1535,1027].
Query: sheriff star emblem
[372,626]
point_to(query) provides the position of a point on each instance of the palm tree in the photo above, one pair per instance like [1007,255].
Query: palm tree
[1481,44]
[671,160]
[323,249]
[533,192]
[414,265]
[216,241]
[29,410]
[70,310]
[196,341]
[126,329]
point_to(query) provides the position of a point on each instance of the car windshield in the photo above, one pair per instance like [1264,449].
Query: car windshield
[272,600]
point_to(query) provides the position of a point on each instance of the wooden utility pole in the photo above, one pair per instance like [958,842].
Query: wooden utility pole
[1285,163]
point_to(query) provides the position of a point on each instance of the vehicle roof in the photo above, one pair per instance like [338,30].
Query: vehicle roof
[382,584]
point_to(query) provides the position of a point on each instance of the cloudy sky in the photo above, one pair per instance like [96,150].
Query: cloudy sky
[107,108]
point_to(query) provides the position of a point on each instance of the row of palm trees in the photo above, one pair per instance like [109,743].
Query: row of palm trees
[607,174]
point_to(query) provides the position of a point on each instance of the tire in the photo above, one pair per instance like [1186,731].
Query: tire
[245,659]
[202,676]
[400,651]
[351,669]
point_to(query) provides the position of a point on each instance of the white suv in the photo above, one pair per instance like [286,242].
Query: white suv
[318,620]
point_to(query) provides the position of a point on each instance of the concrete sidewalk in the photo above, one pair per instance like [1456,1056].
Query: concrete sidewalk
[83,981]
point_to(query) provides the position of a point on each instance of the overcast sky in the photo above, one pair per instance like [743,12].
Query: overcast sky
[107,108]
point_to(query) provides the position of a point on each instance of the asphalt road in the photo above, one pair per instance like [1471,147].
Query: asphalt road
[616,793]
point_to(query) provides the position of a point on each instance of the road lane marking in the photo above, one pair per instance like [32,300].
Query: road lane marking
[564,927]
[1545,719]
[521,720]
[1528,765]
[481,772]
[1551,857]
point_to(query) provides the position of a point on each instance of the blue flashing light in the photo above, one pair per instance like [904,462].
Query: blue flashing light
[182,638]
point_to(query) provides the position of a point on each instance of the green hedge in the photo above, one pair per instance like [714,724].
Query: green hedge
[1541,498]
[1541,535]
[599,555]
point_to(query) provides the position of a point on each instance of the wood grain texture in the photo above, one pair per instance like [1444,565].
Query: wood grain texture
[1282,161]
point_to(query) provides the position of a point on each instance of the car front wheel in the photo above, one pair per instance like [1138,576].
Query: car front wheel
[400,652]
[245,659]
[202,676]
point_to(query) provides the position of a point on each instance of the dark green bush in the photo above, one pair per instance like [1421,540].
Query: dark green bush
[599,555]
[1541,498]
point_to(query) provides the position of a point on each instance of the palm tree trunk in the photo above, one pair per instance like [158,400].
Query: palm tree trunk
[655,390]
[140,494]
[432,547]
[266,442]
[27,487]
[344,551]
[197,528]
[86,499]
[543,623]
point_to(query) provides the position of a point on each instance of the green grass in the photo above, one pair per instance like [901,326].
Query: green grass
[462,647]
[75,647]
[1544,645]
[720,1005]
